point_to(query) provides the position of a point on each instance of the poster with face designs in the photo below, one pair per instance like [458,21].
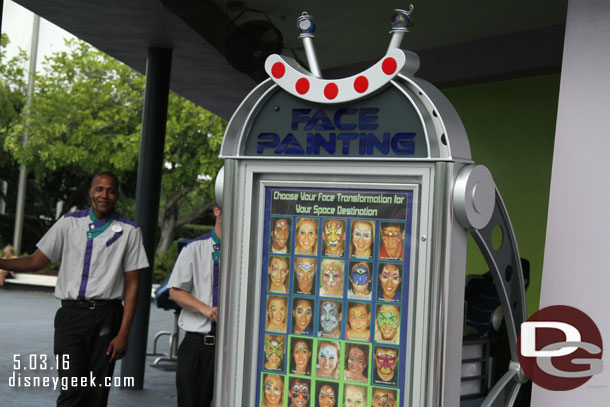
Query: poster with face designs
[334,297]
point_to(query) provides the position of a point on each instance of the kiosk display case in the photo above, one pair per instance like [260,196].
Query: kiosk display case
[346,207]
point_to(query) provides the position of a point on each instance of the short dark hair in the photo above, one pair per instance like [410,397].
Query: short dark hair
[106,174]
[392,224]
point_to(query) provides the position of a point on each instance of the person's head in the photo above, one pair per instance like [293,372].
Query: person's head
[279,234]
[330,316]
[218,215]
[356,360]
[305,270]
[299,392]
[334,236]
[390,278]
[278,271]
[355,396]
[274,389]
[384,397]
[360,277]
[386,361]
[327,394]
[276,311]
[306,236]
[359,318]
[392,238]
[362,238]
[9,251]
[302,313]
[275,348]
[388,321]
[332,277]
[103,193]
[301,354]
[328,358]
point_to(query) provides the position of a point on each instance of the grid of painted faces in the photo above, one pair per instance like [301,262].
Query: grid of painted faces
[334,299]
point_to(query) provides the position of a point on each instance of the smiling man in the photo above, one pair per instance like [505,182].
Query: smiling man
[280,235]
[101,254]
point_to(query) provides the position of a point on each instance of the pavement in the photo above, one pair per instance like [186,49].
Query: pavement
[26,337]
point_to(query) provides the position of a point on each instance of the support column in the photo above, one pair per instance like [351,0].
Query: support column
[148,191]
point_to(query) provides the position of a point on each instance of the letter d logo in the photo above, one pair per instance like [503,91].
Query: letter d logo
[560,348]
[528,338]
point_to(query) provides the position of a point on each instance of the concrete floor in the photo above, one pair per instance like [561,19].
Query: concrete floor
[26,331]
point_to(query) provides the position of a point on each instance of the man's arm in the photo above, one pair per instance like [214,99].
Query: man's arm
[118,346]
[33,262]
[186,300]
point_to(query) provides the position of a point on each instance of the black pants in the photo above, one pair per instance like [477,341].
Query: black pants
[195,372]
[84,335]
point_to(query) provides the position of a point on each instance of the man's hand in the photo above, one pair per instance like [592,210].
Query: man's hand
[209,312]
[117,348]
[186,300]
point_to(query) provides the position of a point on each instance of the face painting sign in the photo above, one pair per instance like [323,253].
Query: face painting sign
[334,295]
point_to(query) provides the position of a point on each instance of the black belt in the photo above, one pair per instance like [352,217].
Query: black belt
[88,304]
[209,340]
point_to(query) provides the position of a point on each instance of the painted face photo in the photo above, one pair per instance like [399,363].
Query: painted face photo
[360,280]
[392,241]
[384,397]
[390,282]
[358,321]
[306,236]
[280,235]
[329,355]
[334,238]
[275,350]
[331,281]
[387,319]
[363,236]
[273,391]
[305,275]
[276,314]
[278,274]
[300,362]
[327,394]
[386,363]
[330,319]
[299,392]
[355,396]
[356,362]
[302,316]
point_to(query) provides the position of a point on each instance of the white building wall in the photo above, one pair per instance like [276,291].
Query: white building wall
[577,254]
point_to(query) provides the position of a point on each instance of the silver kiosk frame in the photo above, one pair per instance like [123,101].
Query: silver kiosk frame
[451,194]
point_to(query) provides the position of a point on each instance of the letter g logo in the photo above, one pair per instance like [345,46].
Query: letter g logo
[560,348]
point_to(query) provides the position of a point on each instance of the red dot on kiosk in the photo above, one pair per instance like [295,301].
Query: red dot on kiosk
[302,86]
[278,70]
[331,91]
[361,84]
[389,66]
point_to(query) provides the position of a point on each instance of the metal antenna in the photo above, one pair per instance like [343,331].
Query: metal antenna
[307,26]
[400,21]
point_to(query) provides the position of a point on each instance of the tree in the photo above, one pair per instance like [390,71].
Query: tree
[86,116]
[192,145]
[12,102]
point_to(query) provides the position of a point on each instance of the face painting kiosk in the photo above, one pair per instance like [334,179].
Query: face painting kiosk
[346,207]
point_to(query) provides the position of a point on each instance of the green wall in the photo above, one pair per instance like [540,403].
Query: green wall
[511,127]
